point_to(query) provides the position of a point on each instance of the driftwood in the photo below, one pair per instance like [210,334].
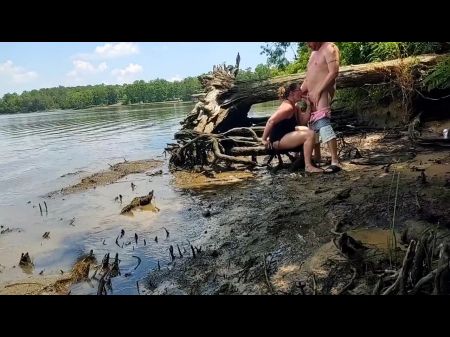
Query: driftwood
[108,272]
[25,260]
[415,273]
[425,140]
[138,201]
[205,138]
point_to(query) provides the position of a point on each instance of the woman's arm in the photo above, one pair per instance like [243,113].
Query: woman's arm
[284,112]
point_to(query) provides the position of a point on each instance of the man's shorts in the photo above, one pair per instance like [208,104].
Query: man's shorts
[323,130]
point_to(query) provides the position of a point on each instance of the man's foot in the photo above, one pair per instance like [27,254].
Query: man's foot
[312,169]
[332,169]
[319,163]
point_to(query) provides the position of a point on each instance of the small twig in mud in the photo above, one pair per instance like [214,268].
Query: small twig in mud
[136,238]
[179,251]
[423,178]
[167,232]
[45,204]
[105,262]
[139,261]
[417,201]
[159,267]
[156,239]
[22,283]
[389,195]
[122,233]
[101,285]
[25,259]
[109,165]
[403,271]
[145,243]
[193,251]
[104,242]
[172,257]
[117,242]
[301,286]
[95,273]
[115,267]
[137,286]
[340,292]
[430,277]
[40,208]
[267,276]
[72,221]
[378,286]
[46,235]
[393,216]
[314,285]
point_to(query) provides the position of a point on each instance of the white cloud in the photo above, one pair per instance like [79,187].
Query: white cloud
[112,50]
[109,51]
[177,78]
[128,73]
[85,68]
[16,74]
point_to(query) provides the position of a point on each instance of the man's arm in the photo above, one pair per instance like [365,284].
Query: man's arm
[332,59]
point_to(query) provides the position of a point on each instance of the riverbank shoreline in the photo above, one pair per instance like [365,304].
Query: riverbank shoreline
[273,234]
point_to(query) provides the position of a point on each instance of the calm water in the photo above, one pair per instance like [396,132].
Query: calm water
[37,149]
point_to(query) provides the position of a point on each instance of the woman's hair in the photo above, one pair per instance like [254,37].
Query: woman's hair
[285,90]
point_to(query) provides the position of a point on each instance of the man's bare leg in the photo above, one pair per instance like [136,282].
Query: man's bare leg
[332,146]
[307,150]
[317,155]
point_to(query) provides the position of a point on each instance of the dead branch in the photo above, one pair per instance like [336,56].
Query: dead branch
[269,285]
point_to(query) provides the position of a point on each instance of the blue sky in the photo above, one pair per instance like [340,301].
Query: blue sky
[35,65]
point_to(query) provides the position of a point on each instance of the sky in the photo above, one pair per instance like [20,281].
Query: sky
[35,65]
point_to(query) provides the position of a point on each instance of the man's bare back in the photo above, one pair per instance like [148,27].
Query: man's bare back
[322,62]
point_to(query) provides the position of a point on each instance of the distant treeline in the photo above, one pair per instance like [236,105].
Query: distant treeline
[158,90]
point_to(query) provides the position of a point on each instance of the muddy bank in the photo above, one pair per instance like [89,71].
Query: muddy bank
[53,284]
[207,180]
[274,234]
[115,172]
[278,234]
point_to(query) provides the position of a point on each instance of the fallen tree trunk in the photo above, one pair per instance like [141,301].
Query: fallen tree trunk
[349,76]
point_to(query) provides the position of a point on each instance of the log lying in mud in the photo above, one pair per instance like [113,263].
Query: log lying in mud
[138,201]
[205,139]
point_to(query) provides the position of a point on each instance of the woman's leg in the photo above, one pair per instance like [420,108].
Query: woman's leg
[294,139]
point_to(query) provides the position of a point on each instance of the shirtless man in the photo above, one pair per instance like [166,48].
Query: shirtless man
[320,84]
